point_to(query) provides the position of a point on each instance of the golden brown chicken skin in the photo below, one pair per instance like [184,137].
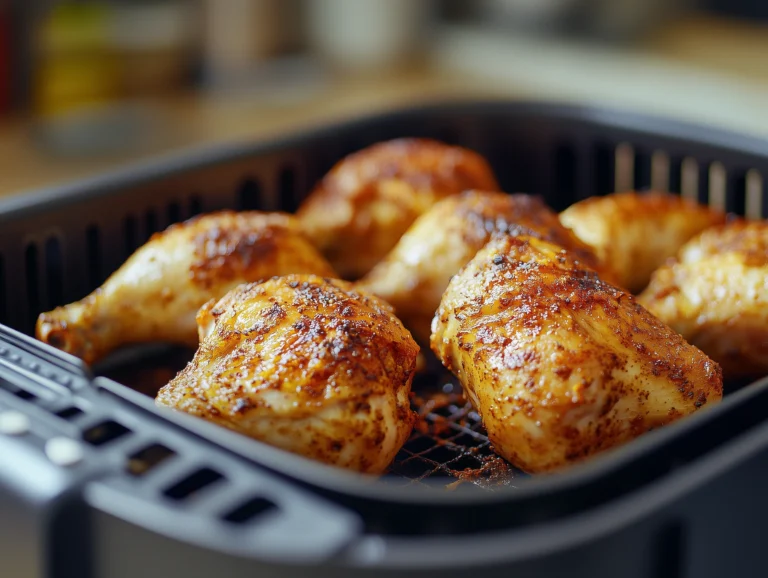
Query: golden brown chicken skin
[414,275]
[307,364]
[559,364]
[635,233]
[157,292]
[715,293]
[367,201]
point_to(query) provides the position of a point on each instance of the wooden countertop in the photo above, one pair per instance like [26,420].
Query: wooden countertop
[192,120]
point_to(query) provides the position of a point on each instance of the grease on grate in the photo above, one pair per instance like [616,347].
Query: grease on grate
[448,445]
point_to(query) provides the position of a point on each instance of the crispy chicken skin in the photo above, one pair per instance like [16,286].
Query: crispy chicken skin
[559,364]
[367,201]
[307,364]
[156,294]
[635,233]
[414,275]
[715,293]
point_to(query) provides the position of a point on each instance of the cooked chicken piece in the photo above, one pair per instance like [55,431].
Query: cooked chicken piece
[414,275]
[635,233]
[156,294]
[716,295]
[558,364]
[306,364]
[368,200]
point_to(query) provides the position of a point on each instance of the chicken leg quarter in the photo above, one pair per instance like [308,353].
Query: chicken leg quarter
[156,294]
[715,294]
[306,364]
[414,275]
[365,203]
[560,365]
[634,233]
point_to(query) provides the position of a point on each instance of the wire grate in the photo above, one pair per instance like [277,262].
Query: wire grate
[448,446]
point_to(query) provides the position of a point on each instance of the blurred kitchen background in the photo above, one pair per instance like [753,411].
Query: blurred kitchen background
[90,84]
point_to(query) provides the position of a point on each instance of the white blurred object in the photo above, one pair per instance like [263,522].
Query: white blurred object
[361,34]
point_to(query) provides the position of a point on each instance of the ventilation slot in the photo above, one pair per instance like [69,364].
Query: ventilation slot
[195,206]
[754,208]
[150,224]
[249,196]
[675,174]
[69,413]
[93,256]
[105,432]
[625,168]
[689,179]
[54,272]
[604,169]
[669,549]
[173,213]
[323,160]
[193,483]
[3,297]
[249,510]
[33,283]
[286,188]
[25,395]
[131,234]
[565,171]
[642,171]
[148,458]
[736,194]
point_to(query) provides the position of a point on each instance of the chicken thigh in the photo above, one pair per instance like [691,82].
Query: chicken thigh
[635,233]
[716,295]
[368,200]
[307,364]
[156,294]
[414,275]
[558,364]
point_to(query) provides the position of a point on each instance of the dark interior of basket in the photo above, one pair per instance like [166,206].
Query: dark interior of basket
[57,252]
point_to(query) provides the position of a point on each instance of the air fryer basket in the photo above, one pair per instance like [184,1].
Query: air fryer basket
[57,245]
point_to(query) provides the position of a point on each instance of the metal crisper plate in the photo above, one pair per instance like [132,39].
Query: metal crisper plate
[449,442]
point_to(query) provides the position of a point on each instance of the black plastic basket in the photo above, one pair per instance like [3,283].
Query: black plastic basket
[148,493]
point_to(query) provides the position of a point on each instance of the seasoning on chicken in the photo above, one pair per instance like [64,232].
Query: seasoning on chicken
[156,294]
[715,294]
[367,201]
[309,365]
[560,365]
[635,233]
[414,275]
